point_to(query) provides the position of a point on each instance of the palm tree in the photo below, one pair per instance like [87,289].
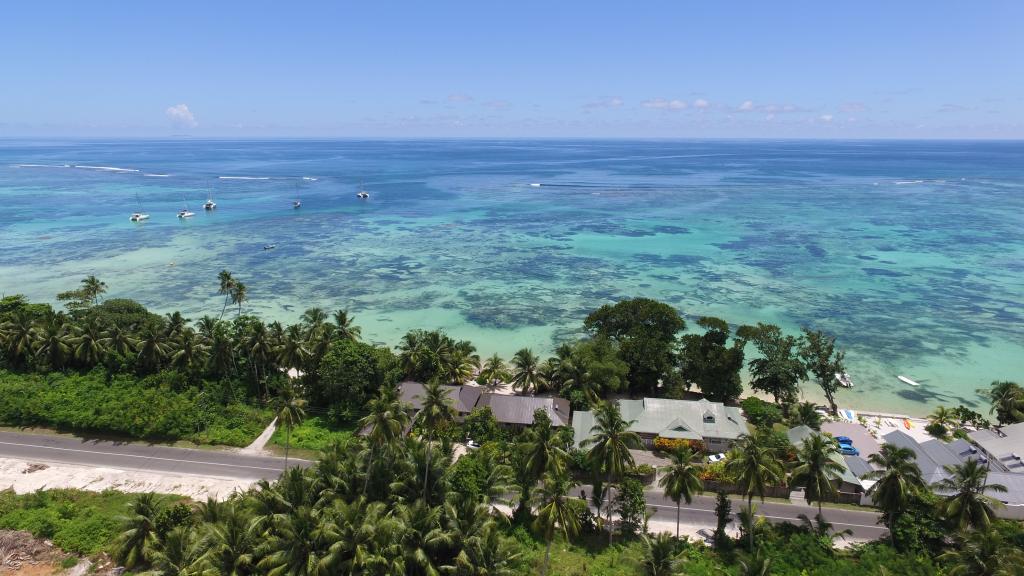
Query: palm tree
[313,321]
[967,505]
[757,565]
[190,353]
[555,512]
[222,352]
[258,348]
[175,324]
[18,337]
[344,326]
[205,326]
[817,469]
[296,545]
[661,557]
[806,415]
[239,295]
[178,553]
[982,553]
[486,554]
[140,534]
[153,349]
[942,417]
[822,528]
[754,467]
[88,344]
[610,440]
[290,414]
[898,480]
[462,362]
[227,284]
[422,535]
[92,289]
[231,545]
[681,479]
[118,341]
[494,371]
[526,373]
[1007,401]
[383,425]
[53,340]
[292,352]
[437,411]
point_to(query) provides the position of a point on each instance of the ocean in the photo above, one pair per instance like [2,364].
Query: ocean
[911,252]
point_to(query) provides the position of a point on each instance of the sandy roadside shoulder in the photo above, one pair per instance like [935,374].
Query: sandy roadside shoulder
[25,476]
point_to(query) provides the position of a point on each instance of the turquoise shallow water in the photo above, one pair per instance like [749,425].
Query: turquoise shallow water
[912,252]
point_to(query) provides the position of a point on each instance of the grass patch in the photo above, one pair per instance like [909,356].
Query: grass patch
[312,435]
[76,521]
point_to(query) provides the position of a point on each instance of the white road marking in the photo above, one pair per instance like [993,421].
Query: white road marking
[762,515]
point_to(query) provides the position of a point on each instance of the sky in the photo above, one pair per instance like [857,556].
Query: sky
[455,68]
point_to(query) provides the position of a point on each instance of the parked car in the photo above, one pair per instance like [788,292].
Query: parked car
[844,440]
[848,450]
[716,458]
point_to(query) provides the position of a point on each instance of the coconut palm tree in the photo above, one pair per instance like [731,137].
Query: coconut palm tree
[384,423]
[1007,400]
[437,411]
[494,371]
[297,544]
[610,441]
[190,352]
[258,348]
[555,512]
[17,336]
[661,556]
[982,553]
[462,362]
[421,537]
[227,284]
[345,327]
[178,553]
[140,535]
[88,345]
[313,321]
[174,324]
[292,352]
[53,341]
[118,341]
[806,415]
[898,480]
[525,371]
[239,294]
[758,564]
[681,479]
[822,528]
[153,348]
[967,505]
[92,289]
[942,417]
[755,467]
[221,352]
[231,545]
[817,469]
[205,326]
[290,414]
[486,554]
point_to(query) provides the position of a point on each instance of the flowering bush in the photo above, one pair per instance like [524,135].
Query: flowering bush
[673,444]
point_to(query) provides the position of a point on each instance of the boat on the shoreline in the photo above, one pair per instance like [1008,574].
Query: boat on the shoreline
[906,380]
[844,379]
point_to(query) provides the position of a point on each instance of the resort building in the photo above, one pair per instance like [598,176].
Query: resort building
[1004,446]
[713,424]
[934,455]
[509,410]
[848,482]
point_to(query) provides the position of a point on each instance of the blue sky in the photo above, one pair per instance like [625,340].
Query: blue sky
[894,69]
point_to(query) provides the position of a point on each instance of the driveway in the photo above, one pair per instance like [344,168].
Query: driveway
[864,441]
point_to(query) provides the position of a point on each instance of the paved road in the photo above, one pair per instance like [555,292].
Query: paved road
[701,512]
[135,456]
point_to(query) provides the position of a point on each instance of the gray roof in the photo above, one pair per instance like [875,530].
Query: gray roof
[858,466]
[1002,443]
[667,418]
[462,398]
[798,434]
[934,455]
[509,409]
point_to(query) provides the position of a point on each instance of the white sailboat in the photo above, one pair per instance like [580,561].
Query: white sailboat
[297,203]
[363,194]
[209,204]
[140,215]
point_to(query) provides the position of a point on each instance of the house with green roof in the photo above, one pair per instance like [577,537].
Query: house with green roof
[713,424]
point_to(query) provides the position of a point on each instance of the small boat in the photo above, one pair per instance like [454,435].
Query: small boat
[297,204]
[535,184]
[184,213]
[906,380]
[844,379]
[907,424]
[140,215]
[269,246]
[209,204]
[363,194]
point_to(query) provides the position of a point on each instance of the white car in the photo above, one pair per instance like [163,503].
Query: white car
[716,458]
[471,444]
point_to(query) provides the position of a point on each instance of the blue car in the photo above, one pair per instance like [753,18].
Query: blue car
[844,440]
[847,450]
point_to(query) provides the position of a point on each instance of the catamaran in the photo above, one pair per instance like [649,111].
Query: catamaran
[140,215]
[363,194]
[209,204]
[297,203]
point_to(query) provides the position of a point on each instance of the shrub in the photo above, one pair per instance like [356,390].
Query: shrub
[760,413]
[673,444]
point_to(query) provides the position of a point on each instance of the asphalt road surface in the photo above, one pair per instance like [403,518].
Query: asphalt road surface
[137,456]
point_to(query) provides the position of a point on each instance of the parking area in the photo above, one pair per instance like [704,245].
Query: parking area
[862,440]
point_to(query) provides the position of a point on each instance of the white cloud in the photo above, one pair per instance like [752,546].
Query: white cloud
[607,103]
[825,117]
[662,104]
[747,106]
[181,116]
[460,98]
[701,103]
[852,107]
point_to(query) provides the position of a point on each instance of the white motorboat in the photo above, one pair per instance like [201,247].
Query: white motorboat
[844,379]
[138,217]
[297,204]
[363,194]
[185,213]
[906,380]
